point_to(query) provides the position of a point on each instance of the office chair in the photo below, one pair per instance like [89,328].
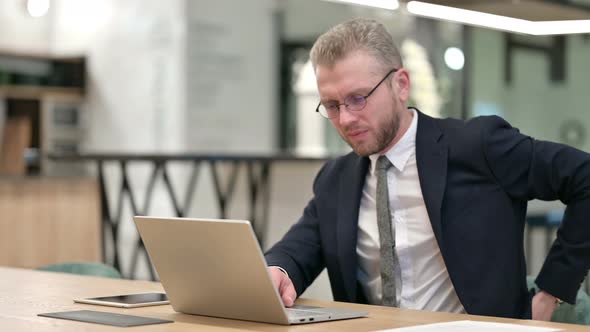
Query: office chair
[83,268]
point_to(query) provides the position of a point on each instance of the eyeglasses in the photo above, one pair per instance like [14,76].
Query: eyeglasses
[353,103]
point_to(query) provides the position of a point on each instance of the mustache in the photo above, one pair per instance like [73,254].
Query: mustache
[353,129]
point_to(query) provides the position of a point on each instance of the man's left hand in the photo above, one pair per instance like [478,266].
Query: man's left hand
[543,306]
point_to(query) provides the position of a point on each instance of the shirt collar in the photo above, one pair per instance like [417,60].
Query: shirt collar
[400,153]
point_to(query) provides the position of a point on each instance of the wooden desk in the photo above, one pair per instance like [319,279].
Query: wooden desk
[26,293]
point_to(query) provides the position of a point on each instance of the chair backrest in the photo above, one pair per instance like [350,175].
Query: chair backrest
[84,268]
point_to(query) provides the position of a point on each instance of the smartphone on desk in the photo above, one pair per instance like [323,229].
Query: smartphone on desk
[128,300]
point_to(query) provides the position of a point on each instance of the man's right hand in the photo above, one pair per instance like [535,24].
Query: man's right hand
[284,285]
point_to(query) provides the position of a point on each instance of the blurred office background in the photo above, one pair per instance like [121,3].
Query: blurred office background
[110,108]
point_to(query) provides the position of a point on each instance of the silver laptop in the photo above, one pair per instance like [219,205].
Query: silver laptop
[215,268]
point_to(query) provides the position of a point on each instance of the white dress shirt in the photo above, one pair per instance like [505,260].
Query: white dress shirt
[425,281]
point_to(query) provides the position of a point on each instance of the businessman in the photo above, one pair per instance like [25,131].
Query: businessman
[427,213]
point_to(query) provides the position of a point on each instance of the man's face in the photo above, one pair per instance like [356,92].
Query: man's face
[374,129]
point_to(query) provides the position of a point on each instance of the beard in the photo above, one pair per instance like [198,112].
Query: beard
[384,134]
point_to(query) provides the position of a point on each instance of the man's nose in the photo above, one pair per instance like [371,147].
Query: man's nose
[345,116]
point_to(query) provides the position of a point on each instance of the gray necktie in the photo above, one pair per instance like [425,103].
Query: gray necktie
[389,262]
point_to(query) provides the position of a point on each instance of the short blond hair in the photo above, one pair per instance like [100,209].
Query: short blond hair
[355,35]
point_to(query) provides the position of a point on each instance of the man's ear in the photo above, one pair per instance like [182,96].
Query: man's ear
[402,84]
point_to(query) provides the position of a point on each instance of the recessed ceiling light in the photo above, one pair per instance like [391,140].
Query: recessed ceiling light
[38,8]
[454,58]
[384,4]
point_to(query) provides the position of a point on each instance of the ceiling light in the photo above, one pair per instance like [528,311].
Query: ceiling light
[454,58]
[384,4]
[497,22]
[37,8]
[561,27]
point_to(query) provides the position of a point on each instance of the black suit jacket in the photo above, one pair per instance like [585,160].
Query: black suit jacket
[476,178]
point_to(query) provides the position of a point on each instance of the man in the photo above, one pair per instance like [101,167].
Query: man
[453,195]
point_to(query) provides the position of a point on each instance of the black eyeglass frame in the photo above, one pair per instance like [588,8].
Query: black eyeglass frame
[317,109]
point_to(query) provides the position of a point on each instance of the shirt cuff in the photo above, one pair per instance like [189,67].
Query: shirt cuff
[282,270]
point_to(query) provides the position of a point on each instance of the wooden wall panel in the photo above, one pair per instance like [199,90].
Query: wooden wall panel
[49,220]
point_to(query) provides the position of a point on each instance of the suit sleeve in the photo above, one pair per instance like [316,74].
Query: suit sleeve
[532,169]
[299,251]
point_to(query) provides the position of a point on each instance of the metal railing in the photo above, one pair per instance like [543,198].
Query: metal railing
[257,171]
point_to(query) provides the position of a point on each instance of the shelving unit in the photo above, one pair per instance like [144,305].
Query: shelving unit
[42,97]
[38,92]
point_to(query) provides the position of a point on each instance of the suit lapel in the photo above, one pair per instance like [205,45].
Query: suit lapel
[431,159]
[351,188]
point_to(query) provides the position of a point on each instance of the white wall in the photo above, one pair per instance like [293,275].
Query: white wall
[231,76]
[21,33]
[134,48]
